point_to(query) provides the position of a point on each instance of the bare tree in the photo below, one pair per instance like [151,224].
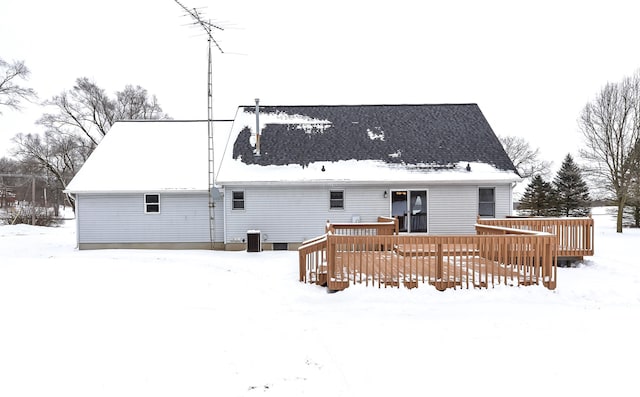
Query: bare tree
[85,110]
[54,157]
[610,125]
[11,93]
[526,159]
[134,103]
[82,117]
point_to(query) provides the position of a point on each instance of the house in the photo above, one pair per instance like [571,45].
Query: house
[282,172]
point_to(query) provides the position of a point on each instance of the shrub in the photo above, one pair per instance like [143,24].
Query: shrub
[26,215]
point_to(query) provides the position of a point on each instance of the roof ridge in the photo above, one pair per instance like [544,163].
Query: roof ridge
[168,120]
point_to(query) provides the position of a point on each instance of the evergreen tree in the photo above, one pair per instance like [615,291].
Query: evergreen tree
[539,198]
[631,215]
[572,191]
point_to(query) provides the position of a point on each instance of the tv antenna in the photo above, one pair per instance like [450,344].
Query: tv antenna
[209,28]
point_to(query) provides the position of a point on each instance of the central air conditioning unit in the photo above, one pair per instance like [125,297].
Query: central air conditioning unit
[254,241]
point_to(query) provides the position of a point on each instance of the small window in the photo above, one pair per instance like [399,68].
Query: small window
[280,246]
[151,203]
[238,201]
[336,199]
[487,202]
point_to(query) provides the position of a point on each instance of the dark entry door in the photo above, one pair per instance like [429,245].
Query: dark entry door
[410,207]
[418,214]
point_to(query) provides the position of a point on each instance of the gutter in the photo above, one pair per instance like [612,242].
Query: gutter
[369,182]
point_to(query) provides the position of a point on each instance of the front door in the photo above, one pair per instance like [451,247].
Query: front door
[410,207]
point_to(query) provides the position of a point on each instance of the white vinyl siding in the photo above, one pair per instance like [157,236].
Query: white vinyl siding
[504,203]
[453,209]
[292,215]
[295,214]
[119,218]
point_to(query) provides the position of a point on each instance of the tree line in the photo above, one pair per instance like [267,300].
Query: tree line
[73,123]
[567,195]
[610,153]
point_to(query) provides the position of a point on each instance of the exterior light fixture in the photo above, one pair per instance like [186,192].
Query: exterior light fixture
[385,194]
[468,167]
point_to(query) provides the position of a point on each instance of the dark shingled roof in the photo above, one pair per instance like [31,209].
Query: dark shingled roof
[439,135]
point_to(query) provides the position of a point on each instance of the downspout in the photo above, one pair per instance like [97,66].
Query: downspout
[76,204]
[224,216]
[513,185]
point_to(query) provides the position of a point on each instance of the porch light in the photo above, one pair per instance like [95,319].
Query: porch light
[385,194]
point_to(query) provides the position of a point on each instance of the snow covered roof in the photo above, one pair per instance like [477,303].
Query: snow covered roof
[147,155]
[301,144]
[364,143]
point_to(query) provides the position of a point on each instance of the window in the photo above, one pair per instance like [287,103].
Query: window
[237,200]
[151,203]
[487,202]
[336,199]
[280,246]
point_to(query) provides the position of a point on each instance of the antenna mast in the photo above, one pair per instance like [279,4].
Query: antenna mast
[208,28]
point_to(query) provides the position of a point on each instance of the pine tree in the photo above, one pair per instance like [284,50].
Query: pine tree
[631,215]
[572,191]
[539,198]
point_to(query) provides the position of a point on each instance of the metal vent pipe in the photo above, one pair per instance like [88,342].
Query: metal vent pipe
[257,126]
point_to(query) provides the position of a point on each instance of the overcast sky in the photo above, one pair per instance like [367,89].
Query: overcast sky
[530,66]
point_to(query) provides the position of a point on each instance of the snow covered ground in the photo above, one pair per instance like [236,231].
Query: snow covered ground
[203,323]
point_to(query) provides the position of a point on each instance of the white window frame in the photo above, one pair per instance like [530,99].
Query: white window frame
[331,200]
[234,200]
[147,204]
[487,202]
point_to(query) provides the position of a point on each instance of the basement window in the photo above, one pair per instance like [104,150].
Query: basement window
[237,200]
[151,203]
[336,199]
[280,246]
[487,202]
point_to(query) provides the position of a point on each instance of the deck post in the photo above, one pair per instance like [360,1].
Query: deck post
[439,267]
[548,274]
[302,257]
[331,255]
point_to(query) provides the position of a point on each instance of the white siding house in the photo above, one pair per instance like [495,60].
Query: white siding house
[288,171]
[146,186]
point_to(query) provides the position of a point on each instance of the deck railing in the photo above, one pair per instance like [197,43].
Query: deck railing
[384,226]
[442,261]
[511,251]
[496,255]
[575,235]
[313,260]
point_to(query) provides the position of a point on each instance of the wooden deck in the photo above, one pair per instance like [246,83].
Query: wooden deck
[377,256]
[411,268]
